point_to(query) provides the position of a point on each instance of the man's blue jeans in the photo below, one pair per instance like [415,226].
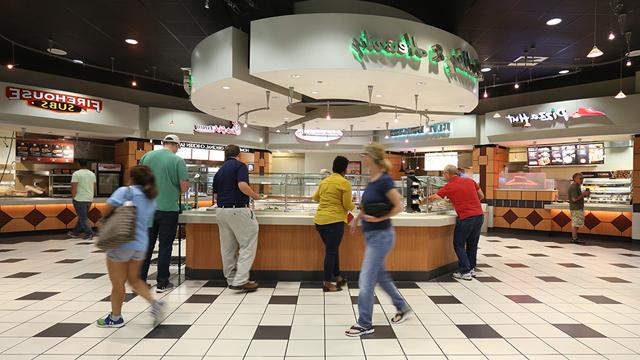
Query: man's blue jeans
[378,244]
[465,242]
[83,226]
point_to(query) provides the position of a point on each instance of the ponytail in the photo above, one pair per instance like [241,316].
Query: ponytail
[143,176]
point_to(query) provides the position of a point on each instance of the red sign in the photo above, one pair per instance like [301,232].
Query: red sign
[53,101]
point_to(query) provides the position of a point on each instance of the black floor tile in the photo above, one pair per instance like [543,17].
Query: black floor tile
[517,265]
[407,285]
[216,283]
[570,265]
[167,332]
[630,255]
[268,284]
[381,332]
[7,250]
[523,299]
[445,299]
[353,285]
[491,255]
[85,243]
[127,297]
[311,285]
[550,279]
[513,247]
[354,300]
[613,279]
[53,250]
[599,299]
[447,278]
[481,265]
[579,331]
[99,251]
[487,279]
[272,333]
[625,266]
[21,275]
[494,241]
[479,331]
[68,261]
[90,276]
[62,330]
[11,261]
[201,299]
[554,247]
[584,254]
[38,295]
[538,255]
[284,300]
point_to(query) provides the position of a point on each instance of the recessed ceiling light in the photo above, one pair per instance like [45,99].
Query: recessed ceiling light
[485,69]
[420,83]
[633,53]
[226,87]
[286,118]
[378,95]
[565,71]
[554,21]
[131,41]
[56,51]
[314,92]
[296,76]
[78,61]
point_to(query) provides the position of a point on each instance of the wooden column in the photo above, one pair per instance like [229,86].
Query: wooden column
[128,154]
[635,227]
[489,161]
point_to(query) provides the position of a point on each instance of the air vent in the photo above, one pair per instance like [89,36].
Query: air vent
[531,61]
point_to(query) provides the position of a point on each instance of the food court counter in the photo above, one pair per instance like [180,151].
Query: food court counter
[28,214]
[289,247]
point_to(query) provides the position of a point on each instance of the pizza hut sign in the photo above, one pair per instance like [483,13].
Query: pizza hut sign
[53,101]
[524,119]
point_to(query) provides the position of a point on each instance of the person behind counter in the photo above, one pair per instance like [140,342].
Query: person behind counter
[125,261]
[170,172]
[465,196]
[334,198]
[237,223]
[83,186]
[576,206]
[380,202]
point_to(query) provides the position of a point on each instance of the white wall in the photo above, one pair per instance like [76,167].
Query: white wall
[314,162]
[285,162]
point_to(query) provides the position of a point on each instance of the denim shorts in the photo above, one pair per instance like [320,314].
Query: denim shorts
[124,255]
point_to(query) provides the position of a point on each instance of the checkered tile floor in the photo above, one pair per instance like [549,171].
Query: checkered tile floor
[531,300]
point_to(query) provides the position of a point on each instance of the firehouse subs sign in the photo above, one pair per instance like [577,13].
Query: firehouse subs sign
[53,101]
[455,60]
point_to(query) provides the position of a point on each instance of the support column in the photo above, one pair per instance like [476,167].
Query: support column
[489,161]
[635,218]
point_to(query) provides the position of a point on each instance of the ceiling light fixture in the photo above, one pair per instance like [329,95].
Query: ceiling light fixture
[56,51]
[134,83]
[386,135]
[206,4]
[78,61]
[595,52]
[620,95]
[131,41]
[296,76]
[328,114]
[485,69]
[612,35]
[226,87]
[516,86]
[554,21]
[406,141]
[565,71]
[497,115]
[378,95]
[628,62]
[486,94]
[420,83]
[10,66]
[261,139]
[395,119]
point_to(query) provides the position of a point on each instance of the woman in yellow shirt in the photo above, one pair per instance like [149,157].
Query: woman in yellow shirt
[334,198]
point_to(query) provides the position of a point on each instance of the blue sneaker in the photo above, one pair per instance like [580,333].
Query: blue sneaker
[108,322]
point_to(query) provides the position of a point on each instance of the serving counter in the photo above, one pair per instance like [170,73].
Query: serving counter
[289,247]
[27,214]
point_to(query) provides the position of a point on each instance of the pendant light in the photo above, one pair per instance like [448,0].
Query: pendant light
[386,136]
[328,114]
[595,52]
[620,95]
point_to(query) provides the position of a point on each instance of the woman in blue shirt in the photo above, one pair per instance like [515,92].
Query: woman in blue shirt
[380,237]
[124,262]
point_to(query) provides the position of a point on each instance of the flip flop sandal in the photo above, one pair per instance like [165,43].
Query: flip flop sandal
[400,317]
[356,331]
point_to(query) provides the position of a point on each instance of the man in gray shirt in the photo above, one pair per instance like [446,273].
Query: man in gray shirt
[576,206]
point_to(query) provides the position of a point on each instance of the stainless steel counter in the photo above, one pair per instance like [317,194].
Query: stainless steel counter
[593,207]
[42,200]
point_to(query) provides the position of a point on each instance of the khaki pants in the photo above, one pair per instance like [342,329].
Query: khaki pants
[238,230]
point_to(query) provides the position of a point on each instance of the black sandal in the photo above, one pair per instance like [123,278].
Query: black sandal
[357,330]
[400,317]
[342,281]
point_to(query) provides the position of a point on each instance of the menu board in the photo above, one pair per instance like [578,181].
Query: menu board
[566,154]
[45,151]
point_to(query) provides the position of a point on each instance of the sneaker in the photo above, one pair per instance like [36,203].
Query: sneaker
[458,275]
[473,272]
[158,311]
[249,286]
[108,322]
[72,235]
[160,288]
[88,237]
[577,241]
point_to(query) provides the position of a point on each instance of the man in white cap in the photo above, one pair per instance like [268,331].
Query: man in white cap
[170,172]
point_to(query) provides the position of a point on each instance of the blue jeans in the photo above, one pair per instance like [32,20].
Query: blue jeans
[465,241]
[163,230]
[379,244]
[83,226]
[331,235]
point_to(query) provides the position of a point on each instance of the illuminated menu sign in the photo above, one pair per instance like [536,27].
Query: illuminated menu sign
[439,129]
[566,154]
[53,101]
[45,151]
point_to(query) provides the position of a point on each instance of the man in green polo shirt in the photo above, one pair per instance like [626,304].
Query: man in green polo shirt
[170,172]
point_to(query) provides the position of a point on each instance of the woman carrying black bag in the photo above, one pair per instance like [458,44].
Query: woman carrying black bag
[125,260]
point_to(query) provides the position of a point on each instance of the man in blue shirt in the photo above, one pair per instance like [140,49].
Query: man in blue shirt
[237,224]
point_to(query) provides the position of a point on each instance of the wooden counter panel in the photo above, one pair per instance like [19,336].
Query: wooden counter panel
[299,247]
